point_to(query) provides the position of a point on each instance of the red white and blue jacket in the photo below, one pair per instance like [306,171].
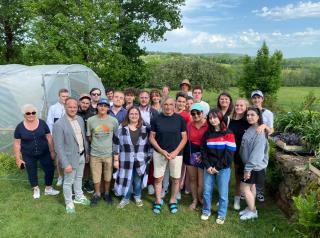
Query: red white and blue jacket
[218,148]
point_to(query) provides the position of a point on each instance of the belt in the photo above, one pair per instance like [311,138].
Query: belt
[81,153]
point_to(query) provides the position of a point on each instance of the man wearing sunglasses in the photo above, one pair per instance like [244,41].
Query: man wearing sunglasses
[95,94]
[100,131]
[55,112]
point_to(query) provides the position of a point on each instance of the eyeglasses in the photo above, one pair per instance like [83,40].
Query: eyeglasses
[30,113]
[103,105]
[96,94]
[196,113]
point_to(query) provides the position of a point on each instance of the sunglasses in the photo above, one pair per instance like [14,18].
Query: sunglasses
[196,113]
[96,94]
[30,113]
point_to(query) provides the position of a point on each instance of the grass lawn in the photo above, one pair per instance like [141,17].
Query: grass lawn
[288,97]
[22,216]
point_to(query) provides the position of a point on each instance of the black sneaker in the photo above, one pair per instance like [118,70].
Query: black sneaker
[87,186]
[107,198]
[94,200]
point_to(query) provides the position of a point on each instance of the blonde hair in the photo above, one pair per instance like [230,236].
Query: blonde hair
[246,102]
[25,108]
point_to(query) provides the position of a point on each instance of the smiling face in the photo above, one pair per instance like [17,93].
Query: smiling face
[84,104]
[102,109]
[134,116]
[30,114]
[71,107]
[181,103]
[214,121]
[155,98]
[224,102]
[189,104]
[240,107]
[129,98]
[197,116]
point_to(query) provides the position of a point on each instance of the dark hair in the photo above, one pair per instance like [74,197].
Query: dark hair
[230,109]
[94,89]
[154,92]
[109,90]
[63,90]
[129,91]
[127,121]
[258,112]
[181,94]
[197,87]
[216,112]
[144,91]
[189,98]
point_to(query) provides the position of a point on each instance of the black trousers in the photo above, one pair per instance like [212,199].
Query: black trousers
[32,168]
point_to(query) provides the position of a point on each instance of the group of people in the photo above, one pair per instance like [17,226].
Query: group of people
[125,146]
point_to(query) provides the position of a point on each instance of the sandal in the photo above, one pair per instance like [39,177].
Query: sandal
[173,207]
[156,208]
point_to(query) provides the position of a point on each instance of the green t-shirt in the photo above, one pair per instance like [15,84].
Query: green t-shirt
[101,132]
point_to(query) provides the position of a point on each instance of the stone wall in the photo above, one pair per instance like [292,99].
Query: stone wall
[295,177]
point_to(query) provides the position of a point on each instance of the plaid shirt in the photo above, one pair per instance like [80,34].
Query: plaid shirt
[131,157]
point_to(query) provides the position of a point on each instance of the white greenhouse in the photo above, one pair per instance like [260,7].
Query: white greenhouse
[38,85]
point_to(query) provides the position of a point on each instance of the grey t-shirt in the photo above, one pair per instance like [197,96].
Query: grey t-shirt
[101,132]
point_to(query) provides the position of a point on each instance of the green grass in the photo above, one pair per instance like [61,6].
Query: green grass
[22,216]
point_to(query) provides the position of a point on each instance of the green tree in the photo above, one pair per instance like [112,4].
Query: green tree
[13,18]
[262,72]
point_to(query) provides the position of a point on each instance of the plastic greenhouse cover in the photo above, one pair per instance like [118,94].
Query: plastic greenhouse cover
[38,85]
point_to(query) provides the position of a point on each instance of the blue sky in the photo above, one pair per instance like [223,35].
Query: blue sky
[240,26]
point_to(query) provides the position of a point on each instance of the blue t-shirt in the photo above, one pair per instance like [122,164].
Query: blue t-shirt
[33,142]
[168,131]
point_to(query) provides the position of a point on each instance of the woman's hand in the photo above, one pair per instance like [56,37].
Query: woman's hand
[260,129]
[212,170]
[247,175]
[116,164]
[19,162]
[68,169]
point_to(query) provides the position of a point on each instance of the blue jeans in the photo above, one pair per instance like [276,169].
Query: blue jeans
[222,179]
[136,182]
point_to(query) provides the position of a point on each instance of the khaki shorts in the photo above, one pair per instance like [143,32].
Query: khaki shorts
[101,166]
[160,163]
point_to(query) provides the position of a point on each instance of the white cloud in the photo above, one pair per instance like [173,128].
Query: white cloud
[191,5]
[291,11]
[185,40]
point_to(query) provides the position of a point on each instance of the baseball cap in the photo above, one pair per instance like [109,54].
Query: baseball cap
[257,92]
[104,101]
[196,106]
[84,95]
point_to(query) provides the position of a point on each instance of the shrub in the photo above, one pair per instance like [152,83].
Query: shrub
[7,164]
[273,175]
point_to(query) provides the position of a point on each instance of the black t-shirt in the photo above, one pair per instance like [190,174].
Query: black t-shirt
[134,135]
[168,131]
[238,127]
[33,142]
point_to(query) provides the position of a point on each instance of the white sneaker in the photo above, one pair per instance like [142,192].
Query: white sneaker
[51,191]
[178,197]
[138,202]
[249,215]
[123,203]
[244,211]
[236,204]
[204,217]
[220,221]
[60,181]
[36,192]
[150,189]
